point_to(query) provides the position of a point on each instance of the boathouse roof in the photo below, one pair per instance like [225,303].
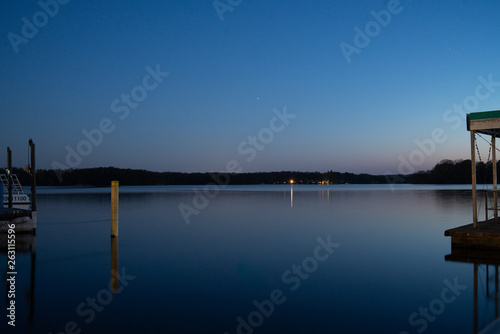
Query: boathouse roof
[487,122]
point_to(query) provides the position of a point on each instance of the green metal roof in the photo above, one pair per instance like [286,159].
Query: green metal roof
[484,115]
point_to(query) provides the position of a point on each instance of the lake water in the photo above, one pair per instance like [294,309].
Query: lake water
[254,259]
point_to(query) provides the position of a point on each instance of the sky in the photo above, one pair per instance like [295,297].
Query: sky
[195,86]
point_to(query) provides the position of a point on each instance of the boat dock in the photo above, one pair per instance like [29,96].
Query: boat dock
[17,210]
[486,233]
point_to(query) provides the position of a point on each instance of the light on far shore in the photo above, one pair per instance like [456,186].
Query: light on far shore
[291,181]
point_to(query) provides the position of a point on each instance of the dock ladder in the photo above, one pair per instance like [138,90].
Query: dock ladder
[16,185]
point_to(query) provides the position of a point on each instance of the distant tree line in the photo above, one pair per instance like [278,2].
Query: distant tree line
[454,172]
[445,172]
[103,176]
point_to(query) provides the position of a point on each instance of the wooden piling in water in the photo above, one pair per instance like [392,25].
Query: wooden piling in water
[33,175]
[114,208]
[9,178]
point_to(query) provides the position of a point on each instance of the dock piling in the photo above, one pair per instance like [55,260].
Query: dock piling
[33,175]
[9,178]
[114,237]
[114,208]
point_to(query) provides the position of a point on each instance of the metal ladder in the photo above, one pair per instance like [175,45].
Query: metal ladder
[16,185]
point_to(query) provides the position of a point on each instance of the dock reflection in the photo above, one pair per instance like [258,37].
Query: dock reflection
[25,243]
[485,269]
[25,277]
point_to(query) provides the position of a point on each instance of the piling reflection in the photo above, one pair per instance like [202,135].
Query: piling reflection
[115,284]
[486,283]
[25,243]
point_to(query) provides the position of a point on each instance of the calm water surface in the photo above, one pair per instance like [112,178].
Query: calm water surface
[254,259]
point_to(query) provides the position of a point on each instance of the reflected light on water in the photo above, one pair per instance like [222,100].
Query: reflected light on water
[200,278]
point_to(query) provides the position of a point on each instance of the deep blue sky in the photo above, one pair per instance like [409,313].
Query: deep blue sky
[226,77]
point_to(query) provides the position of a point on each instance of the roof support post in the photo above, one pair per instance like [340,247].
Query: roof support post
[494,167]
[473,169]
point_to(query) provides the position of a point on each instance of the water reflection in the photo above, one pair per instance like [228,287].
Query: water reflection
[208,273]
[115,284]
[52,270]
[486,296]
[25,244]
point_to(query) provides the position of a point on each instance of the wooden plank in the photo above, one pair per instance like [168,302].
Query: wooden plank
[486,234]
[484,124]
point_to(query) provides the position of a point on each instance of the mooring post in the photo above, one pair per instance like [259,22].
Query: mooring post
[114,237]
[473,168]
[33,175]
[9,178]
[114,208]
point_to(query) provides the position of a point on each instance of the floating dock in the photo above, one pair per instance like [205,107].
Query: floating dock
[486,235]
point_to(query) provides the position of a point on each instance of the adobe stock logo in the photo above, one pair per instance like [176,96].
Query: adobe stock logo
[425,315]
[373,28]
[30,29]
[292,278]
[121,106]
[87,310]
[221,7]
[455,115]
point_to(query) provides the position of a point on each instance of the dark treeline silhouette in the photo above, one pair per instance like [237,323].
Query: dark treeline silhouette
[103,176]
[454,172]
[445,172]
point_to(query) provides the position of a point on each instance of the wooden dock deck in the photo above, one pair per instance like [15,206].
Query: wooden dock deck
[486,235]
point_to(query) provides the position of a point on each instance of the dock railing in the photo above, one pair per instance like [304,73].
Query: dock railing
[487,205]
